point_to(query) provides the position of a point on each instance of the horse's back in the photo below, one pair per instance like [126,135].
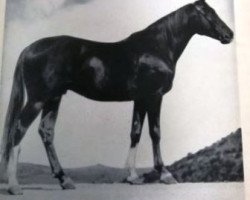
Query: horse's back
[94,69]
[118,71]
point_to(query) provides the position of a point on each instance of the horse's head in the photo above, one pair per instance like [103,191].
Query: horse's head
[208,23]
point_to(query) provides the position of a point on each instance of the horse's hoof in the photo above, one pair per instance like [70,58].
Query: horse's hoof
[68,184]
[135,181]
[132,178]
[15,190]
[167,179]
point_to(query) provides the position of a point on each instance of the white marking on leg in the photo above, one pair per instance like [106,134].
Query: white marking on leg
[12,166]
[167,177]
[131,162]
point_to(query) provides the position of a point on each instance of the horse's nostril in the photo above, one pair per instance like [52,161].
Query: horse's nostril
[226,37]
[229,36]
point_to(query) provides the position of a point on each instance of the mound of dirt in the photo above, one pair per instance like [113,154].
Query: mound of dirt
[222,161]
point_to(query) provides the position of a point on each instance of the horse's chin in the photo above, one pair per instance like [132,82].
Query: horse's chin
[226,40]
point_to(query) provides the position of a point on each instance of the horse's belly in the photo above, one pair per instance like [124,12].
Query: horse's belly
[105,93]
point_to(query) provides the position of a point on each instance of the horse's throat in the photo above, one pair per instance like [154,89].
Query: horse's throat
[178,46]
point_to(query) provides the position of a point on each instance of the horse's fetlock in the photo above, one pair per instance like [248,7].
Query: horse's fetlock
[159,167]
[59,175]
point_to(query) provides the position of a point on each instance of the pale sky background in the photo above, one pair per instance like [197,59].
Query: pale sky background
[201,108]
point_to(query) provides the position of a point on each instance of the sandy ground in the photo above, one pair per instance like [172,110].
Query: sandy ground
[218,191]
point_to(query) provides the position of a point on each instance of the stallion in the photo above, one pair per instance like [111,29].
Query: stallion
[140,68]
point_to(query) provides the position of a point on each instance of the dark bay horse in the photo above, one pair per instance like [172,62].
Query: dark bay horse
[140,68]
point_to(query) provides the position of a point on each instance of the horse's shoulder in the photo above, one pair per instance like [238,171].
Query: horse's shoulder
[154,63]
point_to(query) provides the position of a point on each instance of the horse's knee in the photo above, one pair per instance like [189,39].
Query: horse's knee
[155,134]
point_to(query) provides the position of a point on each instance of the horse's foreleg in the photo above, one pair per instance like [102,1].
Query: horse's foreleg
[137,123]
[46,131]
[153,111]
[28,114]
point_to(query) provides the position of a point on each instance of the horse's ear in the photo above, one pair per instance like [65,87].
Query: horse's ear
[199,5]
[200,1]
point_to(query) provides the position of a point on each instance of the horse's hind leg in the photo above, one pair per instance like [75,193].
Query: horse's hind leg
[14,187]
[27,115]
[137,123]
[46,131]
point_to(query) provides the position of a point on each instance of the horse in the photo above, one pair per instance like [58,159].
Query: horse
[139,68]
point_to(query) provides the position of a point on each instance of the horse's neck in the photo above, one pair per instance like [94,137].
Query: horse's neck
[177,44]
[174,33]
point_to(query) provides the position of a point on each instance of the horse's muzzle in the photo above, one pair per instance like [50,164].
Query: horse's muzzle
[227,38]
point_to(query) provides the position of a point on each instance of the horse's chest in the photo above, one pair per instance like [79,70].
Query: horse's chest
[155,76]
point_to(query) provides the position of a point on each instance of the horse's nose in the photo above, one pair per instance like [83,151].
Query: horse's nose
[231,34]
[227,37]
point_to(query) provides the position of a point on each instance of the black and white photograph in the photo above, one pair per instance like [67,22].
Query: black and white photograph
[112,99]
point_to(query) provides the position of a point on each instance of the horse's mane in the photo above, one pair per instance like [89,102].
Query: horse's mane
[172,18]
[170,22]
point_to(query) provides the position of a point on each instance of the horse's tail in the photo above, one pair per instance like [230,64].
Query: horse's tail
[15,106]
